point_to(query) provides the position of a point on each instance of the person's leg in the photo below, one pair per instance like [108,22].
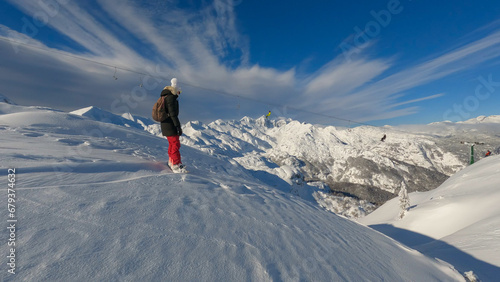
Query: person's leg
[173,149]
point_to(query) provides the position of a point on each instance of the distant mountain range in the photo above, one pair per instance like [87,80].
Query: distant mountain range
[354,163]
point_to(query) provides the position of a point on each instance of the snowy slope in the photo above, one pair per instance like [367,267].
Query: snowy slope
[95,202]
[458,222]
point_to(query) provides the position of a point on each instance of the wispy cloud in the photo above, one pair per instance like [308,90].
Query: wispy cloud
[341,76]
[373,99]
[418,100]
[205,48]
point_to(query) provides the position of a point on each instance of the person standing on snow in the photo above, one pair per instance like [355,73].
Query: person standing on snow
[488,153]
[171,127]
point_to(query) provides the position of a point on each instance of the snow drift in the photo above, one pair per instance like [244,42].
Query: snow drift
[458,222]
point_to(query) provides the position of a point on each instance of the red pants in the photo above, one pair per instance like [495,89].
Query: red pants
[173,149]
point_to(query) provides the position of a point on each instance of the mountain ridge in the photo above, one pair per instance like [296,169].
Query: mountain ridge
[352,162]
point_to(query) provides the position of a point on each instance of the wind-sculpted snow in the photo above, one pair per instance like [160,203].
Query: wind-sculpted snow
[96,202]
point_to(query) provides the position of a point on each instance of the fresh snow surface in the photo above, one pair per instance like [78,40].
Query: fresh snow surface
[96,202]
[458,222]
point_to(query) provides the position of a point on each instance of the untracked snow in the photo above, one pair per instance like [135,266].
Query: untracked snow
[96,202]
[458,222]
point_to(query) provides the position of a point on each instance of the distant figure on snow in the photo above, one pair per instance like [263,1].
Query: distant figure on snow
[171,127]
[268,114]
[488,153]
[383,138]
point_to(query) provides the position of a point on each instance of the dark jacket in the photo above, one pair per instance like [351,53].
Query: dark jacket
[169,127]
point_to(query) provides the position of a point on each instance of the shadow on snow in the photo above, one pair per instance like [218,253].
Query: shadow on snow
[438,249]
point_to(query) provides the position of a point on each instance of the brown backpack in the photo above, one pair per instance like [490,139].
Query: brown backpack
[159,110]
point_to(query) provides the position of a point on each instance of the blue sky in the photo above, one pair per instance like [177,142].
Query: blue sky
[378,62]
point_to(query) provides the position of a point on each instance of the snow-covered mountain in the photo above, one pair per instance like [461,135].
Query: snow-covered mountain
[458,222]
[95,202]
[347,171]
[4,99]
[127,120]
[483,120]
[351,161]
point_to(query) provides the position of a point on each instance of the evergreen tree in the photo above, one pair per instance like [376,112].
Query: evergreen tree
[404,200]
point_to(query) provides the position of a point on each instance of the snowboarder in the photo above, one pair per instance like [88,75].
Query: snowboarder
[488,153]
[383,138]
[268,114]
[171,127]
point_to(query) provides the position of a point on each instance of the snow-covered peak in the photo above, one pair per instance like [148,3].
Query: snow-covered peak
[128,116]
[4,99]
[483,119]
[98,114]
[127,119]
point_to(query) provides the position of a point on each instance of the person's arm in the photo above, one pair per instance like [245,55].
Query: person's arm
[173,112]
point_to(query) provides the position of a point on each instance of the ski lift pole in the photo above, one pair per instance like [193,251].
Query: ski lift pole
[472,154]
[472,144]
